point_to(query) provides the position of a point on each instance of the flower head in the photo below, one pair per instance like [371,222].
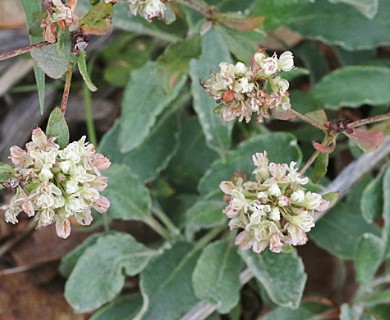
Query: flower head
[273,211]
[148,9]
[242,91]
[57,184]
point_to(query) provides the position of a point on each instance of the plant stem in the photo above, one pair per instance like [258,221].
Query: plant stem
[65,95]
[156,226]
[308,120]
[89,115]
[209,236]
[309,162]
[20,51]
[166,221]
[369,120]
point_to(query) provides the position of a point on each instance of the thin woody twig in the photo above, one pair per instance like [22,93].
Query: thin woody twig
[65,95]
[369,120]
[20,51]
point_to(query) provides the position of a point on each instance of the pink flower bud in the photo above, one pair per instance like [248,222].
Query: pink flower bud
[17,155]
[102,204]
[63,228]
[100,162]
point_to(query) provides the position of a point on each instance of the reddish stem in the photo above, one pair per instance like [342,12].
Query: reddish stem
[65,95]
[20,51]
[373,119]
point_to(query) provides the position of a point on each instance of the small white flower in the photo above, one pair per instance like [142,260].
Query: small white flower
[298,196]
[259,58]
[275,214]
[274,190]
[286,61]
[240,69]
[312,200]
[270,66]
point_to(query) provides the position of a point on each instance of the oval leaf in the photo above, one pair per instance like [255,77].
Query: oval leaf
[214,51]
[216,277]
[153,154]
[369,256]
[58,128]
[322,20]
[99,274]
[130,199]
[144,99]
[166,283]
[204,214]
[354,86]
[281,274]
[82,64]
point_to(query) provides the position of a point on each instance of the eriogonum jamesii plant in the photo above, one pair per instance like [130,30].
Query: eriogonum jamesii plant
[258,88]
[55,185]
[275,210]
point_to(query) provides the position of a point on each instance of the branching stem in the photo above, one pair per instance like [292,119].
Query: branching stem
[369,120]
[308,120]
[17,52]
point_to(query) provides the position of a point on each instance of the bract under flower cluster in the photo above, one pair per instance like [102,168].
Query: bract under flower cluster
[246,90]
[55,185]
[275,210]
[148,9]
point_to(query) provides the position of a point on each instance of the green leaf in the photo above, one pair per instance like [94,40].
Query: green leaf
[380,297]
[130,199]
[40,81]
[353,86]
[51,60]
[123,308]
[175,59]
[289,314]
[204,214]
[368,8]
[386,210]
[276,12]
[82,64]
[6,172]
[281,148]
[368,257]
[350,312]
[321,20]
[320,167]
[214,51]
[97,21]
[153,154]
[241,44]
[57,127]
[371,202]
[99,274]
[68,262]
[30,8]
[331,197]
[144,99]
[166,283]
[193,157]
[216,277]
[281,274]
[345,228]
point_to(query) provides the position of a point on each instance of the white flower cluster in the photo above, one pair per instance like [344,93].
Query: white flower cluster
[148,9]
[275,210]
[62,14]
[245,90]
[55,185]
